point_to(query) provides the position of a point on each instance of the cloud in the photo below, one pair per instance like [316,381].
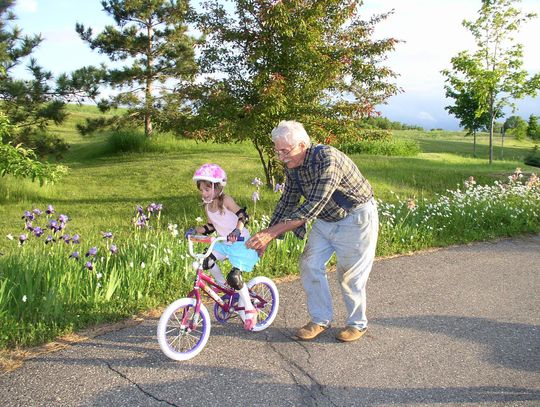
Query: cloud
[425,116]
[29,6]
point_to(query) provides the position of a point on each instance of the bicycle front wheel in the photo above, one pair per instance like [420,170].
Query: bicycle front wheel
[265,298]
[182,333]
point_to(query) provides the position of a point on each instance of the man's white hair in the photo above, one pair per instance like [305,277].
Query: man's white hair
[292,132]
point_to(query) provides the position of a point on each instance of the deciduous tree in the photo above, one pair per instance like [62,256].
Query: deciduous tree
[465,108]
[314,61]
[494,71]
[533,130]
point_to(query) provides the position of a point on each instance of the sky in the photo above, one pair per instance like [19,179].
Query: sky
[431,32]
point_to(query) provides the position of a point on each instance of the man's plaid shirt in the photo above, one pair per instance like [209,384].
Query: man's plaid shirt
[322,172]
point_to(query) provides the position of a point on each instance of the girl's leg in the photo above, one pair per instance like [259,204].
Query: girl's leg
[215,270]
[249,315]
[218,275]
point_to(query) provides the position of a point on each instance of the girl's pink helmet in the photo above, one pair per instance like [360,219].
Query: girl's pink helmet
[211,172]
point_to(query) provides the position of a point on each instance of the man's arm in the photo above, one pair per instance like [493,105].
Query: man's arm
[260,241]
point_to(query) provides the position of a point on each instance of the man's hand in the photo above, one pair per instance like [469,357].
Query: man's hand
[259,241]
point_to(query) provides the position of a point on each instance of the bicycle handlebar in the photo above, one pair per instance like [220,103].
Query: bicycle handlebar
[205,239]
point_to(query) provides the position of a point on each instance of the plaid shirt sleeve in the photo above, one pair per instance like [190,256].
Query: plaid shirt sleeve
[317,180]
[287,203]
[324,181]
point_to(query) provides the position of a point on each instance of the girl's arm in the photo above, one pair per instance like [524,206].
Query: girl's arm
[231,205]
[205,229]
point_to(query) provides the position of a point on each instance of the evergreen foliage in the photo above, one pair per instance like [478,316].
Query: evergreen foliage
[152,37]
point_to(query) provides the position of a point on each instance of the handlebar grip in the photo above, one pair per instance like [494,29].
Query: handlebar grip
[200,238]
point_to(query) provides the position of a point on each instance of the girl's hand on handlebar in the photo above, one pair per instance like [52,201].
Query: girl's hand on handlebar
[190,232]
[234,235]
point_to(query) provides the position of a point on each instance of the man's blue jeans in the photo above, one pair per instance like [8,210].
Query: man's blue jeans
[353,239]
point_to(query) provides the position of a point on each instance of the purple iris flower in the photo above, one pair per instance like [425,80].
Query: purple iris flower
[113,249]
[89,265]
[49,239]
[75,239]
[91,252]
[50,210]
[37,212]
[38,231]
[151,208]
[29,216]
[22,238]
[74,255]
[278,188]
[63,218]
[28,226]
[107,235]
[66,238]
[141,221]
[257,182]
[140,209]
[53,225]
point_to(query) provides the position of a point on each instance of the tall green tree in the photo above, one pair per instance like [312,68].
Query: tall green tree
[30,105]
[494,72]
[465,109]
[151,37]
[533,130]
[310,60]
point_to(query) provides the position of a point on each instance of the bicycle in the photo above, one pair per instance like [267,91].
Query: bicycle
[184,327]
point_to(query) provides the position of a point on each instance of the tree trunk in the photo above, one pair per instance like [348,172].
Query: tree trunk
[474,144]
[502,145]
[148,86]
[265,166]
[491,124]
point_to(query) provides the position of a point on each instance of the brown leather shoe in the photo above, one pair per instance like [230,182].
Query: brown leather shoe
[350,334]
[310,331]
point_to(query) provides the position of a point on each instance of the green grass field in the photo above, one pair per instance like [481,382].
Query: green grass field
[44,293]
[101,189]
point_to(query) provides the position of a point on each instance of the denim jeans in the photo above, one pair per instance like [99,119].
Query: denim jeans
[353,239]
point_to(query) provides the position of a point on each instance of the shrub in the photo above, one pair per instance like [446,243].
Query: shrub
[127,140]
[403,148]
[533,158]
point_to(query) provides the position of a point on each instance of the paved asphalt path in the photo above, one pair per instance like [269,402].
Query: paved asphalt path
[458,326]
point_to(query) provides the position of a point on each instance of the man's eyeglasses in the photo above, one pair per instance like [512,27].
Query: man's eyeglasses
[285,153]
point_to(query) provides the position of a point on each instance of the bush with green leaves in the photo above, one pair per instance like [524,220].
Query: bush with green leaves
[127,140]
[22,162]
[533,130]
[533,159]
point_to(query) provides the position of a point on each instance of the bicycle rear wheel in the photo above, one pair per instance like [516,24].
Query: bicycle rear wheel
[265,298]
[182,333]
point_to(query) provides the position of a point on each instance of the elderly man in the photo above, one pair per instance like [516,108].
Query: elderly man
[340,202]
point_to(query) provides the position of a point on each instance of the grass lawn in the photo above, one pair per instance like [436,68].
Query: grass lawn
[101,189]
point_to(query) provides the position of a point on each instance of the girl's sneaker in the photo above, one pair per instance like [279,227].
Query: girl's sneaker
[250,319]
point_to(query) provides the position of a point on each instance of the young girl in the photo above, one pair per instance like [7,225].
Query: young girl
[226,218]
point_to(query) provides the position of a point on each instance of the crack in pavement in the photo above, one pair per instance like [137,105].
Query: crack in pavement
[310,392]
[148,394]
